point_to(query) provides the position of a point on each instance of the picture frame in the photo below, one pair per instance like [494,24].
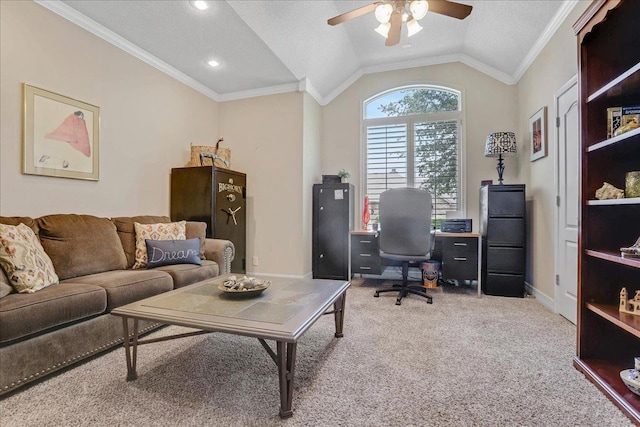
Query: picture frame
[61,136]
[538,134]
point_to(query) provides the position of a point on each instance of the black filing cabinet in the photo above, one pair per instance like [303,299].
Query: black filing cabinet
[217,197]
[332,221]
[365,252]
[502,226]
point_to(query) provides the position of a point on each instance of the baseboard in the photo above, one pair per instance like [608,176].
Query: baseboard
[542,298]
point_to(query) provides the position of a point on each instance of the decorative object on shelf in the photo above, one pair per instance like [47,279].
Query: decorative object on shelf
[614,119]
[608,191]
[500,144]
[632,184]
[220,157]
[344,175]
[60,136]
[365,213]
[630,306]
[538,134]
[631,125]
[632,251]
[631,378]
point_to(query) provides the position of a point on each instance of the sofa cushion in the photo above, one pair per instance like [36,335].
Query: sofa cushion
[160,231]
[125,286]
[187,274]
[15,220]
[81,244]
[22,315]
[197,229]
[5,285]
[171,252]
[127,232]
[22,257]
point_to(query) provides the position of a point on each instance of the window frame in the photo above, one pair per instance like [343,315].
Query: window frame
[410,121]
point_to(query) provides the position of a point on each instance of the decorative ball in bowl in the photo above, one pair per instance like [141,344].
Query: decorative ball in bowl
[244,286]
[631,379]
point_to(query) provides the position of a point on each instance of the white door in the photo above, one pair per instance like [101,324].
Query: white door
[568,200]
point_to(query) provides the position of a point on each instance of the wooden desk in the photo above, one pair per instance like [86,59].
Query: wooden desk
[459,253]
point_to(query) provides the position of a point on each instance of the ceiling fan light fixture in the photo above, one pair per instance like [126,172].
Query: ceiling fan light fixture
[413,27]
[383,12]
[383,29]
[418,9]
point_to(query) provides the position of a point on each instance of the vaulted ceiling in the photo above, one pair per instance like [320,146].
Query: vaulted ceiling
[272,46]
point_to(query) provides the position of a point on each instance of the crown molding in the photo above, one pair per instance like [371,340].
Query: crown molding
[263,91]
[342,87]
[70,14]
[551,28]
[305,86]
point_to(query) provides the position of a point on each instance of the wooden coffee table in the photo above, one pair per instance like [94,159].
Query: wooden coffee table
[282,313]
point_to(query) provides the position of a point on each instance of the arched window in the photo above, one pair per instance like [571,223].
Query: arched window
[413,139]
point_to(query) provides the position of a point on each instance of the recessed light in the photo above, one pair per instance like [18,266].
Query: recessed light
[199,4]
[213,63]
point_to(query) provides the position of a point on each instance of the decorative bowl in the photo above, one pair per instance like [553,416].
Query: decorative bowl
[631,379]
[244,287]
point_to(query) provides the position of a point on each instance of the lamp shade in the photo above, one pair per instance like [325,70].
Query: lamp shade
[500,143]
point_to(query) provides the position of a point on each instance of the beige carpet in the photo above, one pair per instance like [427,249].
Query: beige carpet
[462,361]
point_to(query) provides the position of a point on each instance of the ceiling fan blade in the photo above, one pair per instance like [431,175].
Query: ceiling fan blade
[449,8]
[353,14]
[393,38]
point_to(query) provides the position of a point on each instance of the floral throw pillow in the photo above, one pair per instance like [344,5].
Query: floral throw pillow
[161,231]
[22,257]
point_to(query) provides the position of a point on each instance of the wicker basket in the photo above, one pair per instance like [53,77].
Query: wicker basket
[223,159]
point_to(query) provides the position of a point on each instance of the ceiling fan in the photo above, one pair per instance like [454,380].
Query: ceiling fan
[391,15]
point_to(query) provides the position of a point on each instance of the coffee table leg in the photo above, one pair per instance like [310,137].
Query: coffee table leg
[131,349]
[286,355]
[338,307]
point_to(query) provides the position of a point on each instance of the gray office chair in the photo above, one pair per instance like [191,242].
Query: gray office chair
[405,235]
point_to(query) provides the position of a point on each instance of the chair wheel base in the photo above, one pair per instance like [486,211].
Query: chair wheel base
[376,295]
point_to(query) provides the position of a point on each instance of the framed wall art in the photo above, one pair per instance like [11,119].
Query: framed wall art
[538,134]
[61,136]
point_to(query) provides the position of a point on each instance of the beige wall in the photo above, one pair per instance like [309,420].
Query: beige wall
[148,119]
[489,106]
[555,66]
[265,135]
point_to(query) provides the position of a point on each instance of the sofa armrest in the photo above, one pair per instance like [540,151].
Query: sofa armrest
[220,251]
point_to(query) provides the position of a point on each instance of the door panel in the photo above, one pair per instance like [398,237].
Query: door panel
[568,209]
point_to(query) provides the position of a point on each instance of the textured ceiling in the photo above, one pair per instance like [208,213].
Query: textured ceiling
[271,46]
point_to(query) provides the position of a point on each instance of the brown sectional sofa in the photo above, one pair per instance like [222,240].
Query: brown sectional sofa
[59,325]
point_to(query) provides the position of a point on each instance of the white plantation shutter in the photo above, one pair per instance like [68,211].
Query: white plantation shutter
[386,160]
[436,159]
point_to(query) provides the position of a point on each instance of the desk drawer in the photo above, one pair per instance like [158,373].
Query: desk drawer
[460,246]
[460,266]
[366,266]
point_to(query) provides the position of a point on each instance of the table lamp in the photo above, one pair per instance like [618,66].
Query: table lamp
[500,144]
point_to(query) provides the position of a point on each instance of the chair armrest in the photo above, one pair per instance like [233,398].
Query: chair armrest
[221,251]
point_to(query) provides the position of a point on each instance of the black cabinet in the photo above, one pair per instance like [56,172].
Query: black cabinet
[332,221]
[459,256]
[217,197]
[365,252]
[502,226]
